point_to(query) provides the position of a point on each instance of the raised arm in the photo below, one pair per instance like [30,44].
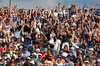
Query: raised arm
[96,7]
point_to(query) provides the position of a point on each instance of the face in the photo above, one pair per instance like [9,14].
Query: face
[48,64]
[12,60]
[39,56]
[8,60]
[25,51]
[3,57]
[86,64]
[99,46]
[0,41]
[67,59]
[32,54]
[58,60]
[65,47]
[38,21]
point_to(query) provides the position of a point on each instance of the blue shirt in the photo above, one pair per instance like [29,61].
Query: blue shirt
[25,54]
[17,34]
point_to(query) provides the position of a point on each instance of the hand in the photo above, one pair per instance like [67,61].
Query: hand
[91,4]
[2,5]
[48,7]
[33,8]
[23,25]
[56,50]
[96,5]
[26,10]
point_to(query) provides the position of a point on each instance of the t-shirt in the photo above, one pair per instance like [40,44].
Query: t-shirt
[25,54]
[55,14]
[17,34]
[68,64]
[56,44]
[59,64]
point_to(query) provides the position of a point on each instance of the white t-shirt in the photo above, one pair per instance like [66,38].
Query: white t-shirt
[56,44]
[39,24]
[52,35]
[37,30]
[85,65]
[61,64]
[55,14]
[51,41]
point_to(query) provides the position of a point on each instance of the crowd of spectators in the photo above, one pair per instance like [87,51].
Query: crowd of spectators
[50,37]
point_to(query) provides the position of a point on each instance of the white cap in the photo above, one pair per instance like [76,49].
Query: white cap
[40,54]
[7,26]
[86,61]
[91,49]
[49,62]
[65,54]
[38,50]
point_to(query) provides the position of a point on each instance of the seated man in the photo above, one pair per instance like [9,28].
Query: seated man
[25,54]
[61,55]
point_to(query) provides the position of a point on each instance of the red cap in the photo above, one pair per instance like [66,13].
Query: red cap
[36,45]
[7,48]
[78,29]
[77,64]
[41,52]
[48,51]
[19,39]
[40,43]
[0,49]
[83,38]
[14,6]
[99,35]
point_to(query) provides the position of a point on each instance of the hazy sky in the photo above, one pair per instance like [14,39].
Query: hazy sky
[47,3]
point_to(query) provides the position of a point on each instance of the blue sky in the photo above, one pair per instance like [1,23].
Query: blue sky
[48,3]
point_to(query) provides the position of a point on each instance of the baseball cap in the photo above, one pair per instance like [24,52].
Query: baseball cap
[48,51]
[86,61]
[0,49]
[49,62]
[60,52]
[93,38]
[70,52]
[36,45]
[37,60]
[7,48]
[38,50]
[40,54]
[32,51]
[91,49]
[8,58]
[37,18]
[25,49]
[19,55]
